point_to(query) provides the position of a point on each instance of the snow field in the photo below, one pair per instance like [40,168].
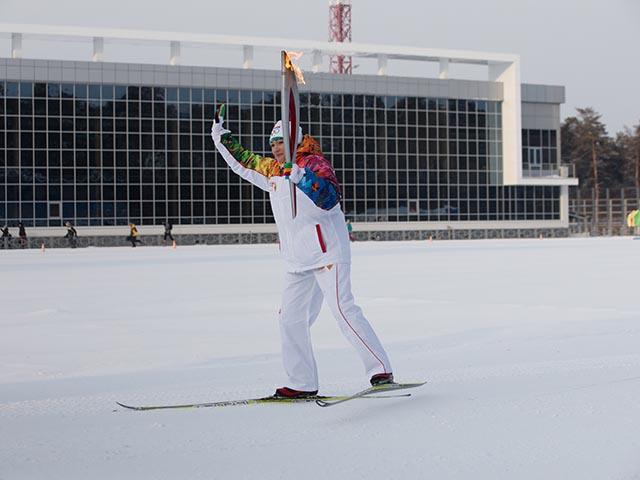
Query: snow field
[531,350]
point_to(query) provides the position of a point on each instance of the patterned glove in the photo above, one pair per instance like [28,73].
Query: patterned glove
[217,130]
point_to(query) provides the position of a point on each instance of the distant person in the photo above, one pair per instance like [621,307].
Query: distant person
[22,234]
[72,235]
[350,230]
[133,235]
[167,231]
[6,236]
[631,218]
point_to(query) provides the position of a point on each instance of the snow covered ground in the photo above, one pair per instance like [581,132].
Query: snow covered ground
[531,349]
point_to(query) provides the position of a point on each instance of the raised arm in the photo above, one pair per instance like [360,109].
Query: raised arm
[248,165]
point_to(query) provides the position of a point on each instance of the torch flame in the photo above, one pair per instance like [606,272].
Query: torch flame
[288,63]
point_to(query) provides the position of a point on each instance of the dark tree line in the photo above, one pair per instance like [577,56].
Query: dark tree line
[600,161]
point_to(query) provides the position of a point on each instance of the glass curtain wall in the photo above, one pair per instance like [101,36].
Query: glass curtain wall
[98,154]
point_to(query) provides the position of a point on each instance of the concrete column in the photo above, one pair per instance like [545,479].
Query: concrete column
[247,51]
[16,45]
[564,205]
[317,61]
[444,68]
[508,73]
[174,56]
[98,49]
[383,60]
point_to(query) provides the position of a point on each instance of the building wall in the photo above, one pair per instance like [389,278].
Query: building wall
[103,144]
[541,116]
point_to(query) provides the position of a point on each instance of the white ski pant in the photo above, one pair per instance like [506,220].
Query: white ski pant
[301,303]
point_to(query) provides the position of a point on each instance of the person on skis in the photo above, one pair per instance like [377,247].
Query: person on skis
[133,234]
[168,227]
[72,235]
[6,237]
[316,251]
[22,234]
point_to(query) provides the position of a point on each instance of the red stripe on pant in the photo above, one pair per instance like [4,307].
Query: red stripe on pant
[351,327]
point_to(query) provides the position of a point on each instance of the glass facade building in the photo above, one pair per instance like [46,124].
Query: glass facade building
[109,152]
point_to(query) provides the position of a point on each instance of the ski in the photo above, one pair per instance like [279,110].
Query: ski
[250,401]
[368,393]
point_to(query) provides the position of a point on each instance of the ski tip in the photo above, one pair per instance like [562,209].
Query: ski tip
[406,384]
[127,406]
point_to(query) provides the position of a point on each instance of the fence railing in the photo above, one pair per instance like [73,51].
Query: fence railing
[607,216]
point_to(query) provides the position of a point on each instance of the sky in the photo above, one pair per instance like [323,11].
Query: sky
[589,46]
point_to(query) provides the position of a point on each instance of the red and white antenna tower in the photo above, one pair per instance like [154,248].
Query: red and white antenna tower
[340,31]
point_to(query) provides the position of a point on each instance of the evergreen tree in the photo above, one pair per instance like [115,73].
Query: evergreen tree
[613,164]
[585,145]
[628,143]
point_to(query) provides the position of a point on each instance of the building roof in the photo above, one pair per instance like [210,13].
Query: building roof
[59,32]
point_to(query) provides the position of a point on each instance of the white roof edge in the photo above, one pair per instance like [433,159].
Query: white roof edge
[353,49]
[547,181]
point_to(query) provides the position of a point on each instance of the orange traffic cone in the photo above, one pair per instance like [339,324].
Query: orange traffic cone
[174,244]
[42,247]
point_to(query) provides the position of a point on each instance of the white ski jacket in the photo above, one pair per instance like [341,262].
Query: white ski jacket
[318,236]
